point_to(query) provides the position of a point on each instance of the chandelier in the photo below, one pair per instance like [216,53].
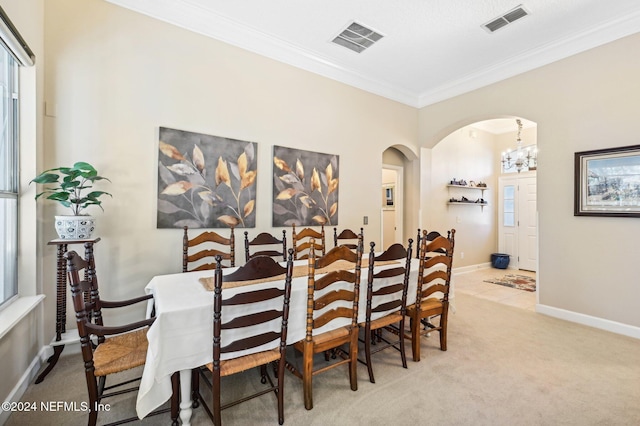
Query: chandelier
[522,158]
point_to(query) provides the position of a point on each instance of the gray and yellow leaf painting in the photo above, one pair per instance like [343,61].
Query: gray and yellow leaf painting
[305,187]
[205,181]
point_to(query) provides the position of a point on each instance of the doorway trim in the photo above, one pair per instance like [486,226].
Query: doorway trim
[514,246]
[398,203]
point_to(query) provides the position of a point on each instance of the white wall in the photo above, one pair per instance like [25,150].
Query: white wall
[115,76]
[587,265]
[469,156]
[20,346]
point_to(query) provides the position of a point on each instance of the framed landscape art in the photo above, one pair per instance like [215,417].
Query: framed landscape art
[205,181]
[607,182]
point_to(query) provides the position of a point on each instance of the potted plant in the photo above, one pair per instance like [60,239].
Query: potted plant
[73,188]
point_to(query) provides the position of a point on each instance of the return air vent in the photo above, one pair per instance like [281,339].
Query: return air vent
[506,19]
[357,37]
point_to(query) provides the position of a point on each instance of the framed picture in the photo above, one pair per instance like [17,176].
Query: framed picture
[205,181]
[607,182]
[388,197]
[305,187]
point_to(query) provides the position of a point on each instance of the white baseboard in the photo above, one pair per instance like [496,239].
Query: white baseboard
[470,268]
[603,324]
[19,389]
[590,321]
[32,371]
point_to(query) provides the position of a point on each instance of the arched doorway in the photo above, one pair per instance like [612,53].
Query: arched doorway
[472,153]
[392,205]
[399,195]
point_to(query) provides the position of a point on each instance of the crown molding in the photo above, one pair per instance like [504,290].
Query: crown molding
[185,14]
[536,58]
[202,21]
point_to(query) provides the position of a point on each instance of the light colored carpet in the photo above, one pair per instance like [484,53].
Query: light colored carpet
[504,366]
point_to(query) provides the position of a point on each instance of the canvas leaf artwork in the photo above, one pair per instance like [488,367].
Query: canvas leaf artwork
[305,187]
[205,181]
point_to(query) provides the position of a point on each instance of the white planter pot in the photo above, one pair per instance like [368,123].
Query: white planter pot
[74,227]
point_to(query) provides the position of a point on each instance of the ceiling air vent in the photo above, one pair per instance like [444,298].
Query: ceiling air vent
[357,37]
[506,19]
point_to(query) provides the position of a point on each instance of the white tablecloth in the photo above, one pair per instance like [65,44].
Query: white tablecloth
[181,337]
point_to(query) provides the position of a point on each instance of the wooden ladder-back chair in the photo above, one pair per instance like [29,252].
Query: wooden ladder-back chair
[430,237]
[334,277]
[304,240]
[119,348]
[265,245]
[434,276]
[349,237]
[388,302]
[211,248]
[268,305]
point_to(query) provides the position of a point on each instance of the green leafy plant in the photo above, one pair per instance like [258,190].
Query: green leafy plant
[71,186]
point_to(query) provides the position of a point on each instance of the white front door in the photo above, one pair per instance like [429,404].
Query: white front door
[517,221]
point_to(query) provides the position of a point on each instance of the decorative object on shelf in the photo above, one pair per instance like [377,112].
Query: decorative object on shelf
[75,227]
[460,185]
[72,188]
[523,158]
[468,201]
[607,182]
[460,182]
[471,184]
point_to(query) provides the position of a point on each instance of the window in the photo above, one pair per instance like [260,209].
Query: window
[8,176]
[509,212]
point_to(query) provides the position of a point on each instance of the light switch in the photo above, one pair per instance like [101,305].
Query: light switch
[365,220]
[50,109]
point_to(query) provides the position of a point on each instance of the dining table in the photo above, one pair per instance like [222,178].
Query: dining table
[181,337]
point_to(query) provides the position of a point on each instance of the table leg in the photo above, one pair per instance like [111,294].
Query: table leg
[53,359]
[175,398]
[61,310]
[185,397]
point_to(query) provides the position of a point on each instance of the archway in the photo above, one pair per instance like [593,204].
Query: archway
[472,153]
[399,200]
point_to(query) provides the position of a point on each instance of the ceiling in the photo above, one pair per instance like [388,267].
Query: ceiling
[499,126]
[431,50]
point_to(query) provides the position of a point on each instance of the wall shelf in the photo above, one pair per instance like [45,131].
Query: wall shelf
[464,200]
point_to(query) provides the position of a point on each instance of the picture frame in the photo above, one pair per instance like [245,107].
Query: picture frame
[306,186]
[205,181]
[388,197]
[607,182]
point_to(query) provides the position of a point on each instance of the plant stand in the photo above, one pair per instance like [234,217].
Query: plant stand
[62,336]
